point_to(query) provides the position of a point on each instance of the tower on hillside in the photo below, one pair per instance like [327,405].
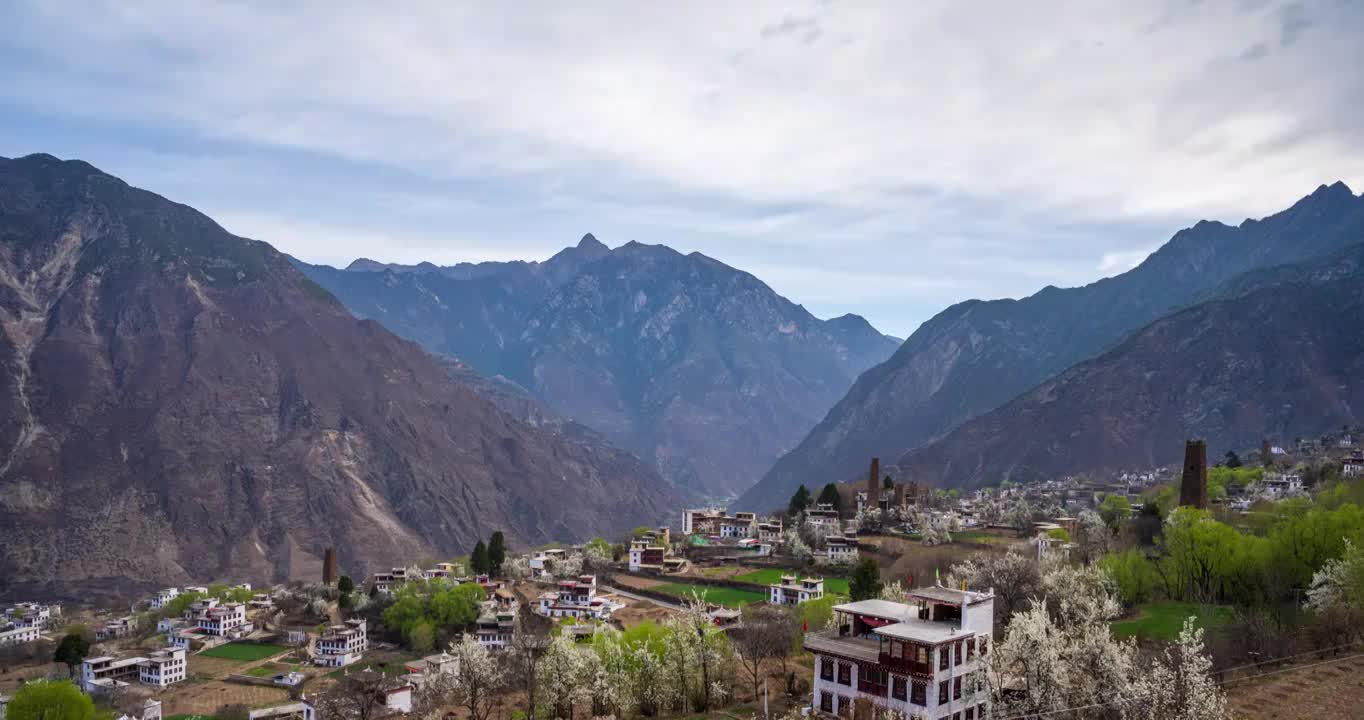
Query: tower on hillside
[1193,487]
[329,575]
[874,484]
[1266,453]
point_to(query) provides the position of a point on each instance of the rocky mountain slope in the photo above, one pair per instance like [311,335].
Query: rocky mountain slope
[699,368]
[177,403]
[1276,353]
[977,355]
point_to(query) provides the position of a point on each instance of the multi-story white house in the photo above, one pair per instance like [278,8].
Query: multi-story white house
[840,549]
[577,599]
[822,517]
[769,531]
[106,673]
[15,635]
[116,628]
[444,571]
[495,627]
[646,556]
[1353,466]
[389,581]
[163,667]
[163,597]
[31,614]
[794,591]
[219,619]
[921,659]
[542,563]
[713,521]
[342,644]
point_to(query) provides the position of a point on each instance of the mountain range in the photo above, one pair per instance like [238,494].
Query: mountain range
[978,355]
[178,403]
[699,368]
[1273,354]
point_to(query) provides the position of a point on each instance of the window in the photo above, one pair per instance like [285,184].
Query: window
[826,669]
[826,702]
[943,657]
[897,649]
[958,653]
[956,689]
[970,648]
[899,688]
[921,655]
[984,646]
[942,693]
[956,716]
[970,713]
[844,674]
[919,694]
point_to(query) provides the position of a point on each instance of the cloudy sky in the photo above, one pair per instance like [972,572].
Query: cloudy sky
[886,159]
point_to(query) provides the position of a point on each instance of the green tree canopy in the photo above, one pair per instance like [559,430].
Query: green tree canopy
[799,501]
[497,552]
[887,484]
[829,496]
[1232,460]
[1115,509]
[50,700]
[345,585]
[865,581]
[72,651]
[480,561]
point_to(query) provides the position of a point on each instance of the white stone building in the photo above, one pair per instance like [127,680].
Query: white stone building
[32,614]
[342,644]
[577,599]
[163,597]
[163,667]
[921,659]
[495,628]
[794,591]
[219,619]
[840,549]
[16,635]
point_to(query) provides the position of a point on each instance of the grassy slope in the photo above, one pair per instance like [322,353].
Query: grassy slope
[1164,620]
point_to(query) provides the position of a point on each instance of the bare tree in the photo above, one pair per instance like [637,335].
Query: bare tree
[764,633]
[529,643]
[357,696]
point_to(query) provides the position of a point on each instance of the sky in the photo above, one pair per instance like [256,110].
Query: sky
[887,159]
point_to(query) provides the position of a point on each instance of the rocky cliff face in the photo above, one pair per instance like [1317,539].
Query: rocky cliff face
[978,355]
[178,404]
[699,368]
[1275,354]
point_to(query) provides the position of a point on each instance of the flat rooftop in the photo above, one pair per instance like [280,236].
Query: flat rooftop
[924,631]
[948,595]
[880,609]
[854,648]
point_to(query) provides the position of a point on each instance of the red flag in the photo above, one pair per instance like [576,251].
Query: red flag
[804,626]
[909,580]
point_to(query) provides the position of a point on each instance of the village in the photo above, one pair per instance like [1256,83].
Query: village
[870,596]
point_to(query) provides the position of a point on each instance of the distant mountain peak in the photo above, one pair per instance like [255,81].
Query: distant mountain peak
[590,242]
[364,264]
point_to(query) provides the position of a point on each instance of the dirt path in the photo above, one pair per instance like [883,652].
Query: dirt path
[1331,688]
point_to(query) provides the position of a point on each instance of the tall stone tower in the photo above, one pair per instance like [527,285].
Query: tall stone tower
[1266,453]
[1193,488]
[874,484]
[329,574]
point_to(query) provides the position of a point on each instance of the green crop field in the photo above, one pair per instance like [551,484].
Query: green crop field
[729,597]
[1164,620]
[771,576]
[243,652]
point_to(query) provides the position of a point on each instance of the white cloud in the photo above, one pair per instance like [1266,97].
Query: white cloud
[1118,262]
[943,136]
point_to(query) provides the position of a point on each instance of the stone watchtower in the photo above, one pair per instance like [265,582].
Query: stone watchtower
[329,575]
[874,484]
[1193,487]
